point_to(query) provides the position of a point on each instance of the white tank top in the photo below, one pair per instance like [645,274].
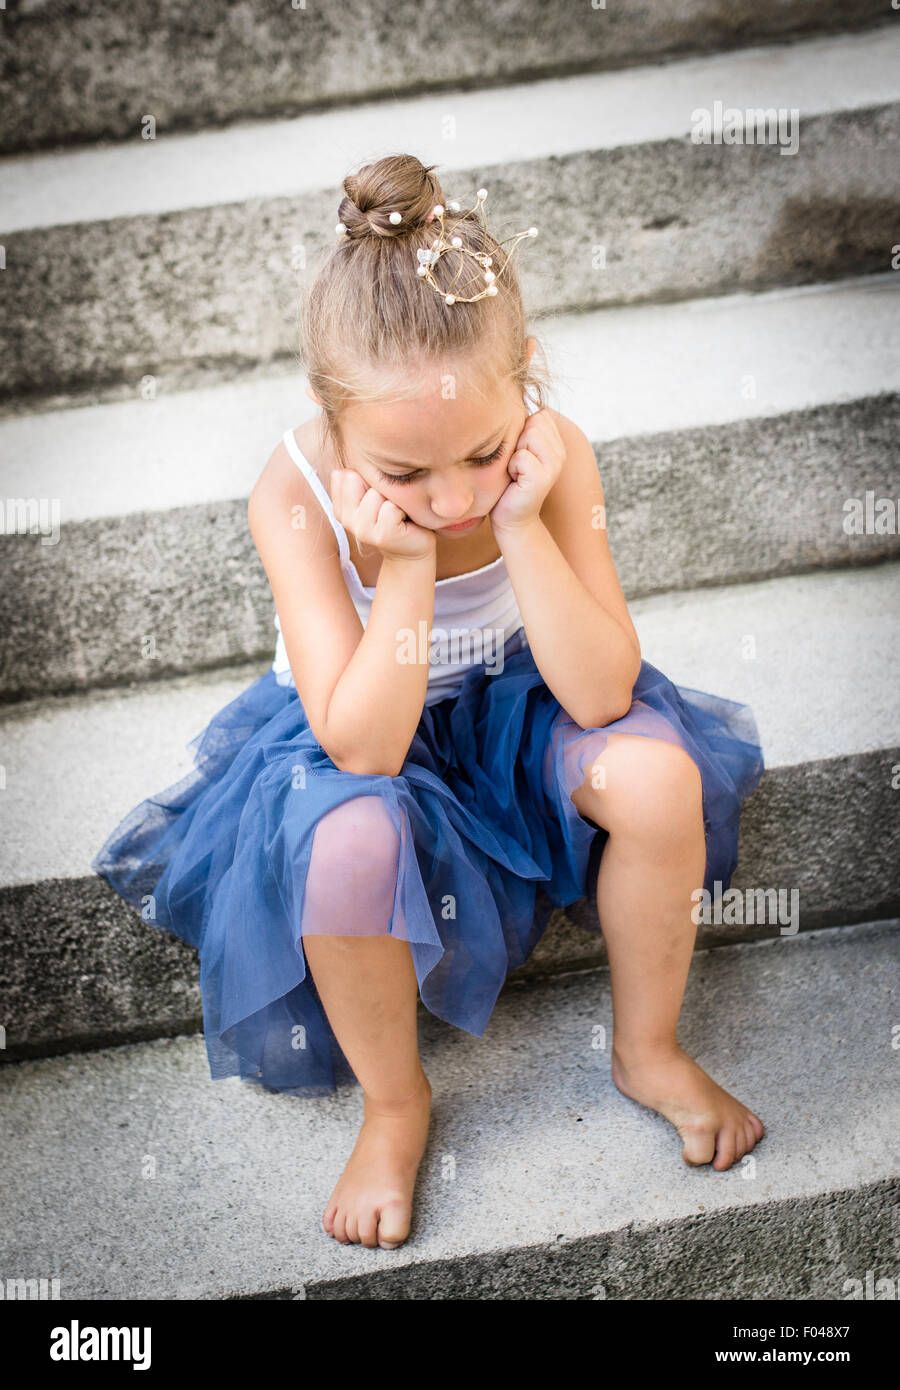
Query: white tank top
[474,613]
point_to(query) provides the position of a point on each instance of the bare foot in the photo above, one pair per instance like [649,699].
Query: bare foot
[372,1201]
[714,1126]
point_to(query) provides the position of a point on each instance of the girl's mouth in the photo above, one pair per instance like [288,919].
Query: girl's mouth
[463,525]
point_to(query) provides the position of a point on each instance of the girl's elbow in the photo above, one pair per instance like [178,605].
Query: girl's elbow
[599,717]
[633,675]
[608,716]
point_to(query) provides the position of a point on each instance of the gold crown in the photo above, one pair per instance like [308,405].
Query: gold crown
[443,243]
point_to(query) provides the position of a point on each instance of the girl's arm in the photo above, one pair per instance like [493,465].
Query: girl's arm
[363,702]
[575,615]
[378,700]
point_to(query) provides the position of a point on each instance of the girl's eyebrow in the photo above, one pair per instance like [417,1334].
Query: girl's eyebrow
[403,463]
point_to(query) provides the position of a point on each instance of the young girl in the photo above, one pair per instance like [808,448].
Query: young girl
[457,712]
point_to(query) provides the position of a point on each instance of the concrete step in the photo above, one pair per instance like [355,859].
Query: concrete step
[749,420]
[88,75]
[134,1176]
[815,656]
[125,262]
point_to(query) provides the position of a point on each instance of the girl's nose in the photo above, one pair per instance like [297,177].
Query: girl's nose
[452,508]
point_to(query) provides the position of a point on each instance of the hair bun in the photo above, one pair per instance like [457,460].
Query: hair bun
[389,198]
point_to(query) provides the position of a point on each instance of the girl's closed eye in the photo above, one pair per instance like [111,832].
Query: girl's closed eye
[479,463]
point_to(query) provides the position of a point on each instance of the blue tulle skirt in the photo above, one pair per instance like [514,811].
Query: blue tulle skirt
[266,841]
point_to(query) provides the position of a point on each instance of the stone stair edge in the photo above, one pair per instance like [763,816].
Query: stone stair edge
[666,215]
[175,572]
[726,1022]
[688,635]
[815,61]
[223,675]
[193,96]
[847,318]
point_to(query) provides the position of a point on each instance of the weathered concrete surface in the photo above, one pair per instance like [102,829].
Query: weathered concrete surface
[135,261]
[132,1175]
[92,70]
[79,967]
[730,435]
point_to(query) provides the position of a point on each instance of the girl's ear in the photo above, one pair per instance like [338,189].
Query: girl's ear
[312,395]
[530,345]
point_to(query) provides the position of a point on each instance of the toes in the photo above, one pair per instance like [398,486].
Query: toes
[725,1149]
[699,1145]
[393,1225]
[759,1128]
[368,1230]
[389,1229]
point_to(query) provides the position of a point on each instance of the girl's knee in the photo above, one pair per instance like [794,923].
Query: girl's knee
[359,833]
[351,881]
[644,785]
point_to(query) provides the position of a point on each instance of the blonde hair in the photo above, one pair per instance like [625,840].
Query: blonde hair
[370,327]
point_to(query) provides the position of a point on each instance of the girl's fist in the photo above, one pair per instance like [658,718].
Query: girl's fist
[374,520]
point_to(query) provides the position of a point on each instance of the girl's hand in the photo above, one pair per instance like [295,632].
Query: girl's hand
[376,521]
[533,467]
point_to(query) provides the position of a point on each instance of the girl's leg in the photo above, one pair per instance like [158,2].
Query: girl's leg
[651,805]
[368,988]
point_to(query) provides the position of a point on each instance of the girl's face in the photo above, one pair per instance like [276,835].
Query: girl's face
[443,462]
